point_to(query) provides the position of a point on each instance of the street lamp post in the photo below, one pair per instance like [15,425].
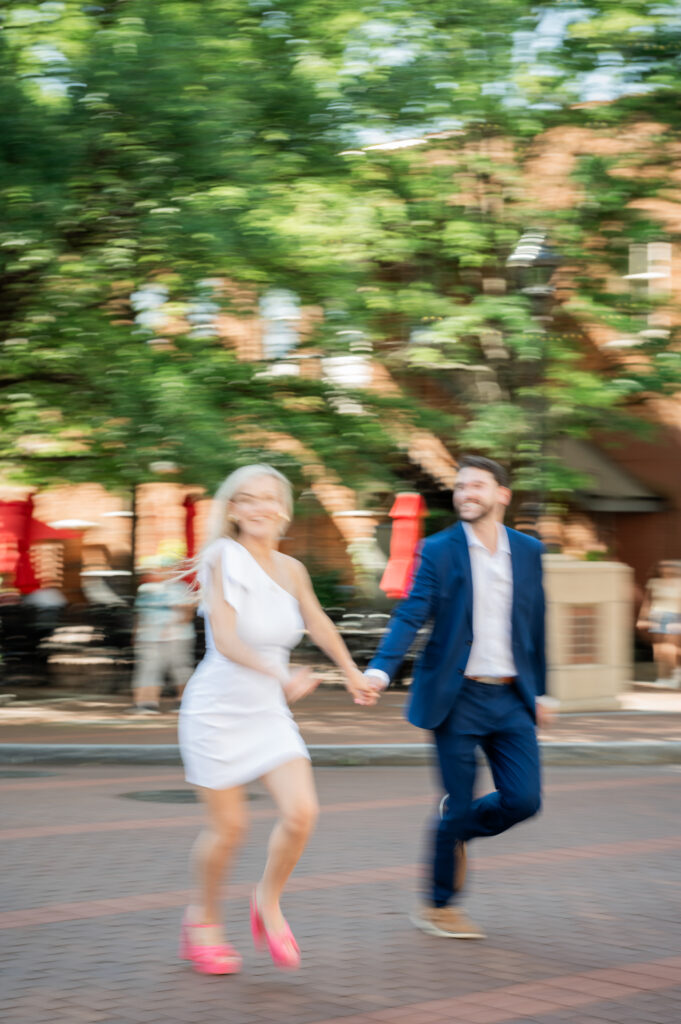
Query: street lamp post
[532,265]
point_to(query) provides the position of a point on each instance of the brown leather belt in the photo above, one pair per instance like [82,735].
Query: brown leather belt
[493,680]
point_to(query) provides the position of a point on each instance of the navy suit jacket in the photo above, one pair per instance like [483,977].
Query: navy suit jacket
[443,592]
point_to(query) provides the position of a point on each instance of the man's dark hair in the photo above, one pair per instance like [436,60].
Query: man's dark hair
[489,465]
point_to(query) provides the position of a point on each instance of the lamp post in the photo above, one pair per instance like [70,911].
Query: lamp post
[531,266]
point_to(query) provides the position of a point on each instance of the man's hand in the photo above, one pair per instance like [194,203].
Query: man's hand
[376,681]
[361,688]
[546,717]
[377,684]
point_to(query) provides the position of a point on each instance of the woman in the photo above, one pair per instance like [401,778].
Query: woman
[235,725]
[660,617]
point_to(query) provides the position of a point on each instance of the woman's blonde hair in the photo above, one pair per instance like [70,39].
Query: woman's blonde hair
[219,523]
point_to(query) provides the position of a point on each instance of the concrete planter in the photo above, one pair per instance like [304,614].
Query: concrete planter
[589,632]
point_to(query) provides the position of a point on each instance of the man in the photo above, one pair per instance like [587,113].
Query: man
[480,679]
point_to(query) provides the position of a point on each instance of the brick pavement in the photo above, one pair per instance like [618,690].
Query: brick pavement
[581,906]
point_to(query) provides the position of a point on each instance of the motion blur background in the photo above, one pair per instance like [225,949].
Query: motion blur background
[354,240]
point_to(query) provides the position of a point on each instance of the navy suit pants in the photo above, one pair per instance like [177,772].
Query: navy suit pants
[495,718]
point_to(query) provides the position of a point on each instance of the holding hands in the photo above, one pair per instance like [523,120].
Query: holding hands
[364,689]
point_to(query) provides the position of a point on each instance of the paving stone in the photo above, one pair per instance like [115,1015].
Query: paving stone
[581,906]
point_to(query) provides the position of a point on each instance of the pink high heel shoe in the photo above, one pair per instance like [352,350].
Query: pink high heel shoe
[218,959]
[282,947]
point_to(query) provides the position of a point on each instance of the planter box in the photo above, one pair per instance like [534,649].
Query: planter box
[589,632]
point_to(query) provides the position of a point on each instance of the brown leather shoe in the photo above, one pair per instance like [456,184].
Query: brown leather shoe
[446,922]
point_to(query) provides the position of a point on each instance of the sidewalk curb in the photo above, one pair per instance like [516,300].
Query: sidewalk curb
[336,755]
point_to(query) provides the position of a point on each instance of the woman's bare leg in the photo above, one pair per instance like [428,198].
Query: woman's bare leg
[293,791]
[212,854]
[664,652]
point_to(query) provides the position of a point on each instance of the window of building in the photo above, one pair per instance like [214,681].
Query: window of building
[582,635]
[650,276]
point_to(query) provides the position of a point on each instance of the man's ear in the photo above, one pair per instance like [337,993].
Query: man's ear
[504,496]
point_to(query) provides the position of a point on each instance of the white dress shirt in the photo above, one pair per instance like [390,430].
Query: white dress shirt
[491,653]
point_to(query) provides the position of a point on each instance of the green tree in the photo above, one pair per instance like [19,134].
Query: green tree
[158,145]
[521,370]
[149,148]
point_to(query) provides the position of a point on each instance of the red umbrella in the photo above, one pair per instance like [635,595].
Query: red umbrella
[18,532]
[8,552]
[42,531]
[407,515]
[12,515]
[25,580]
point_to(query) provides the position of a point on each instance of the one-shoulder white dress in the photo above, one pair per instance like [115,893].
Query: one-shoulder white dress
[234,723]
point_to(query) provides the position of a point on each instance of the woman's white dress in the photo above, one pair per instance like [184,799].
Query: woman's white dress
[235,724]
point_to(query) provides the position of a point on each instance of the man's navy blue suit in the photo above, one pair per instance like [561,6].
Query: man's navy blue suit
[464,714]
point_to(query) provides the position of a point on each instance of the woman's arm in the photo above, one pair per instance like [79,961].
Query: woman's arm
[324,635]
[643,621]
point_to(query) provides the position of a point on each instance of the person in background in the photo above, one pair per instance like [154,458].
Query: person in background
[45,608]
[163,635]
[660,618]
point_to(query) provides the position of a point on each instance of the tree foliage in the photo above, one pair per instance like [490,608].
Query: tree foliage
[161,146]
